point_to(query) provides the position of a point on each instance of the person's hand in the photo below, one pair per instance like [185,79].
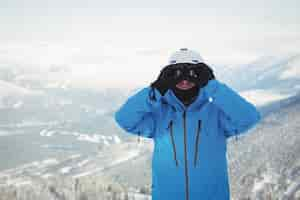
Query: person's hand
[164,81]
[203,74]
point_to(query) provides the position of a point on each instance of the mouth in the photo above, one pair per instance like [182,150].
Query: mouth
[185,85]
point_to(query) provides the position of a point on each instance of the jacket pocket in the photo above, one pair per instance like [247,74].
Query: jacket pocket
[197,142]
[170,127]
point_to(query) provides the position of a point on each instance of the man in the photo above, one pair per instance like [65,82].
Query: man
[189,114]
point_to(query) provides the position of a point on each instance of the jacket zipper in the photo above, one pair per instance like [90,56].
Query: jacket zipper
[197,142]
[187,197]
[173,141]
[185,158]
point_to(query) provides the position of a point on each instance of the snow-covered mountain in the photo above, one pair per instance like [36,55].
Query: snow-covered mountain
[74,177]
[48,95]
[9,90]
[263,163]
[267,79]
[279,74]
[44,96]
[69,145]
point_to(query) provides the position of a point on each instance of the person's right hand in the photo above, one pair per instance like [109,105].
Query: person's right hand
[163,82]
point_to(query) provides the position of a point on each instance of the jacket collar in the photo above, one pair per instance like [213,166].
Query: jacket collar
[176,104]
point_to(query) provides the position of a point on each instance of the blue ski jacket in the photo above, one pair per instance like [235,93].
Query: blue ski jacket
[189,156]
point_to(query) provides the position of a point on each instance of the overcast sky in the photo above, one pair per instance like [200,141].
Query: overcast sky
[127,42]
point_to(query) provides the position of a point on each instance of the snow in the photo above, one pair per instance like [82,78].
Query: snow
[76,134]
[49,133]
[51,161]
[66,84]
[65,170]
[292,189]
[63,84]
[58,147]
[2,104]
[90,138]
[96,138]
[102,137]
[106,142]
[35,163]
[45,176]
[139,196]
[129,155]
[31,123]
[87,173]
[65,102]
[296,87]
[261,97]
[292,70]
[109,137]
[84,162]
[100,111]
[290,73]
[19,184]
[86,108]
[43,163]
[8,89]
[17,105]
[3,133]
[259,184]
[46,133]
[117,139]
[75,156]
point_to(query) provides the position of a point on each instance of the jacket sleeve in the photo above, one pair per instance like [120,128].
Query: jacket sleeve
[236,114]
[137,115]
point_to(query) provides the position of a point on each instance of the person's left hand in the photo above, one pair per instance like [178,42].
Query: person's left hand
[204,74]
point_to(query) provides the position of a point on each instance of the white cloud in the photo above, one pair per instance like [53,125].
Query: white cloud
[103,47]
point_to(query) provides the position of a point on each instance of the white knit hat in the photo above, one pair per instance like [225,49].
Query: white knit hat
[185,55]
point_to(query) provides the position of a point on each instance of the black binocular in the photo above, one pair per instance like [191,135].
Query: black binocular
[181,71]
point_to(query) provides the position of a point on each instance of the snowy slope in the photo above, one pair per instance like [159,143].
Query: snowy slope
[266,161]
[75,166]
[277,73]
[263,82]
[12,91]
[261,97]
[263,163]
[76,175]
[8,89]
